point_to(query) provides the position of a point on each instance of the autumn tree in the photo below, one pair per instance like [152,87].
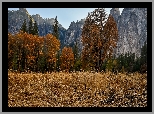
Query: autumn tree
[15,50]
[12,56]
[67,58]
[53,46]
[32,52]
[99,37]
[18,49]
[23,51]
[35,45]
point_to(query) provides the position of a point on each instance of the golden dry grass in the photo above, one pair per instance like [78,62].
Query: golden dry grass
[80,89]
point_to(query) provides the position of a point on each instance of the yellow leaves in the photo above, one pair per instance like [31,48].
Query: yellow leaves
[31,57]
[32,45]
[53,45]
[52,42]
[63,88]
[97,36]
[67,58]
[110,28]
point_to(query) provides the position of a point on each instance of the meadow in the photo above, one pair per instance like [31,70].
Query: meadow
[77,89]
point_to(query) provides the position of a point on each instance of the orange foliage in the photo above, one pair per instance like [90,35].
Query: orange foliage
[99,38]
[67,58]
[28,48]
[53,45]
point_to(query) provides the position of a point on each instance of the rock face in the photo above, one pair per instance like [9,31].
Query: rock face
[115,13]
[73,34]
[132,28]
[16,19]
[45,26]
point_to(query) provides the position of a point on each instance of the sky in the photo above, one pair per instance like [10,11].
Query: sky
[64,15]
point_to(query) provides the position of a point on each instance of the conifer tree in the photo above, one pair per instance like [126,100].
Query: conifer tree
[77,62]
[143,68]
[35,29]
[144,54]
[30,28]
[56,29]
[24,27]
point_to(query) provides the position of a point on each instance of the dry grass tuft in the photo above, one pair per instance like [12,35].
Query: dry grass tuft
[80,89]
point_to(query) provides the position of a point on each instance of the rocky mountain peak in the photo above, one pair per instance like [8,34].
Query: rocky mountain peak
[115,12]
[132,29]
[23,9]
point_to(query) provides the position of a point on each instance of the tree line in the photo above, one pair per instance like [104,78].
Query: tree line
[29,51]
[127,62]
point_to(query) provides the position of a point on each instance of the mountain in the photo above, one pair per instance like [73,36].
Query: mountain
[132,28]
[45,26]
[73,34]
[16,19]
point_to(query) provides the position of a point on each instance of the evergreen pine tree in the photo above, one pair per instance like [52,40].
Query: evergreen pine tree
[35,29]
[24,27]
[144,54]
[56,34]
[77,61]
[56,29]
[143,59]
[75,51]
[30,29]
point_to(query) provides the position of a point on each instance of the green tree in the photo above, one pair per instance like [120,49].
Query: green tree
[77,58]
[56,28]
[30,29]
[143,67]
[35,29]
[24,27]
[144,54]
[42,63]
[137,64]
[120,62]
[15,62]
[103,67]
[109,64]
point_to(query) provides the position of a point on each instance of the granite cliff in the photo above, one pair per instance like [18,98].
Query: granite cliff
[132,28]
